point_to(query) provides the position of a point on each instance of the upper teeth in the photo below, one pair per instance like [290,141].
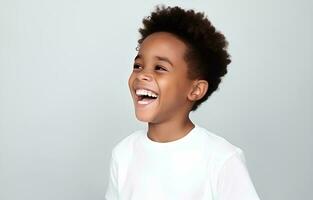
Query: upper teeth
[146,92]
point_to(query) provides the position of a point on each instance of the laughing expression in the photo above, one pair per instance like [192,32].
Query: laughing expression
[159,83]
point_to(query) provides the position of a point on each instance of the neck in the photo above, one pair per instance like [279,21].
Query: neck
[170,130]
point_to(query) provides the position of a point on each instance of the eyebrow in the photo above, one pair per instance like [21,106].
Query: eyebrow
[158,57]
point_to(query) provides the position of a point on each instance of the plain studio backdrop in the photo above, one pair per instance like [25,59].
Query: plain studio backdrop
[64,99]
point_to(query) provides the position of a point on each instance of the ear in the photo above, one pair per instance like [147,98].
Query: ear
[198,90]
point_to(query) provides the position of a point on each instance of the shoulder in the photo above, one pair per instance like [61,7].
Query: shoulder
[219,147]
[125,145]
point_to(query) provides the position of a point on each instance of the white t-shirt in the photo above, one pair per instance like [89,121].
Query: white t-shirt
[198,166]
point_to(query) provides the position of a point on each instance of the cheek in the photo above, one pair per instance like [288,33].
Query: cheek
[168,87]
[184,87]
[184,84]
[131,80]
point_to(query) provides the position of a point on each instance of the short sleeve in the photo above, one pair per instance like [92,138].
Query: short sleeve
[112,189]
[234,181]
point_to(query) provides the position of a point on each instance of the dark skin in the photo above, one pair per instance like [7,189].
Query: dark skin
[160,67]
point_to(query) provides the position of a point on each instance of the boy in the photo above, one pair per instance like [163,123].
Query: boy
[180,62]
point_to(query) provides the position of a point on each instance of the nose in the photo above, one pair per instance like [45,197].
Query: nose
[145,76]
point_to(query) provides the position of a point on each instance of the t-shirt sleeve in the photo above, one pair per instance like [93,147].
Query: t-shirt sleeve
[234,181]
[112,188]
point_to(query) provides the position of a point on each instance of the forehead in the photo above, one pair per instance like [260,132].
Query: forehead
[163,44]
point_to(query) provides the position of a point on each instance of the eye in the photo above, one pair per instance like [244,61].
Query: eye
[160,68]
[136,66]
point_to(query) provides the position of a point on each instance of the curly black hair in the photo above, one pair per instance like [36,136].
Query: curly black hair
[206,53]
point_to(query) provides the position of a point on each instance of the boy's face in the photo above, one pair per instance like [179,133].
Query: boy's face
[159,83]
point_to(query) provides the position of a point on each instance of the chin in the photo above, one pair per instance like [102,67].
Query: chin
[144,117]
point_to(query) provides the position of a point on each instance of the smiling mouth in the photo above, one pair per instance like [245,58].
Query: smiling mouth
[145,97]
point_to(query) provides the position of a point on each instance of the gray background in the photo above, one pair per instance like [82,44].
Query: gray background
[64,99]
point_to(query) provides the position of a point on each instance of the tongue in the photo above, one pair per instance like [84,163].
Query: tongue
[146,100]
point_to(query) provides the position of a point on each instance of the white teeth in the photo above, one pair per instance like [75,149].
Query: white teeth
[140,92]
